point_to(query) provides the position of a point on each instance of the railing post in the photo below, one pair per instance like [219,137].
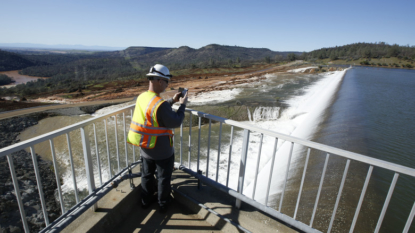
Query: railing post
[286,176]
[181,143]
[72,168]
[190,141]
[409,221]
[131,110]
[116,142]
[257,166]
[97,154]
[198,144]
[208,149]
[88,163]
[218,160]
[230,157]
[58,183]
[108,149]
[242,166]
[39,185]
[125,140]
[17,192]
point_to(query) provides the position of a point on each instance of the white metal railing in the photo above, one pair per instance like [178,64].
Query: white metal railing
[248,128]
[238,192]
[86,147]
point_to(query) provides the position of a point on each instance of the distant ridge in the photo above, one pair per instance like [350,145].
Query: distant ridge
[59,46]
[184,55]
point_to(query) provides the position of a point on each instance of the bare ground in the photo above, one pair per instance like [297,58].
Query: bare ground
[127,90]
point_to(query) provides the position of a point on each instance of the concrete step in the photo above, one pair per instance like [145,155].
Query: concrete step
[177,219]
[120,211]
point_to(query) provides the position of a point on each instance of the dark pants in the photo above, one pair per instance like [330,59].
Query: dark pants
[164,173]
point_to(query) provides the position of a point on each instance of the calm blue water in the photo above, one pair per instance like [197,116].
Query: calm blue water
[374,114]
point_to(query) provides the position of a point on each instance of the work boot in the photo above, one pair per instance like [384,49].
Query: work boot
[145,205]
[163,209]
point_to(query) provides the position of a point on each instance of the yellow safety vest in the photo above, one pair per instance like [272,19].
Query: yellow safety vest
[144,128]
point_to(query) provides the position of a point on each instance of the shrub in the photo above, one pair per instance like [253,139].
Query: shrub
[4,79]
[409,66]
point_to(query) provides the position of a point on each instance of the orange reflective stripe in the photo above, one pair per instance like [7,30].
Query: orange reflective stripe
[150,109]
[144,140]
[153,112]
[150,133]
[146,110]
[156,131]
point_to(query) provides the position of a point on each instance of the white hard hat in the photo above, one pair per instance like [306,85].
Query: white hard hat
[159,71]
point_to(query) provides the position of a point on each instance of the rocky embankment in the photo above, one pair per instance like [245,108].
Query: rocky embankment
[10,220]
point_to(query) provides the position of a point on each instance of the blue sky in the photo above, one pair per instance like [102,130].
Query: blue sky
[278,25]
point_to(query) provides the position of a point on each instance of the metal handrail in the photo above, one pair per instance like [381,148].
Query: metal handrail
[372,162]
[248,128]
[7,152]
[44,137]
[329,149]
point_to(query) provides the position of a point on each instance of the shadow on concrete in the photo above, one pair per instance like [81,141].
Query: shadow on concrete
[177,218]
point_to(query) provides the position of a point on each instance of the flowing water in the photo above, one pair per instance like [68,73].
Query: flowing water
[117,156]
[367,111]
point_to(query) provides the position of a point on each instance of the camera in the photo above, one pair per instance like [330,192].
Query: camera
[183,91]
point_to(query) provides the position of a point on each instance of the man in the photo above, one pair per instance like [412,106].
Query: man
[151,130]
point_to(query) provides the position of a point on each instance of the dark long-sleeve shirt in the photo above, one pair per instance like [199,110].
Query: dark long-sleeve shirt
[167,118]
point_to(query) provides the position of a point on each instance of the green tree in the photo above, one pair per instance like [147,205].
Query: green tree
[333,57]
[278,58]
[367,53]
[4,79]
[291,57]
[267,59]
[212,63]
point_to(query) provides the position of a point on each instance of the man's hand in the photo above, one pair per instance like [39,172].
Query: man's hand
[176,97]
[183,100]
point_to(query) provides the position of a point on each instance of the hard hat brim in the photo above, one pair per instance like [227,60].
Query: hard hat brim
[157,75]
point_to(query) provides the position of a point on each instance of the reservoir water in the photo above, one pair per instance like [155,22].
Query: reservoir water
[19,78]
[373,114]
[364,110]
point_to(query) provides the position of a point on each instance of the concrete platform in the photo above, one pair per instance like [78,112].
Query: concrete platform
[119,211]
[177,219]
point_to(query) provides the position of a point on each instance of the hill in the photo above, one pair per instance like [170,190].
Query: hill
[30,46]
[363,50]
[13,61]
[208,56]
[77,71]
[105,65]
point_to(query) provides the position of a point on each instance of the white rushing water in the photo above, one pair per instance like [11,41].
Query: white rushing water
[300,119]
[214,96]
